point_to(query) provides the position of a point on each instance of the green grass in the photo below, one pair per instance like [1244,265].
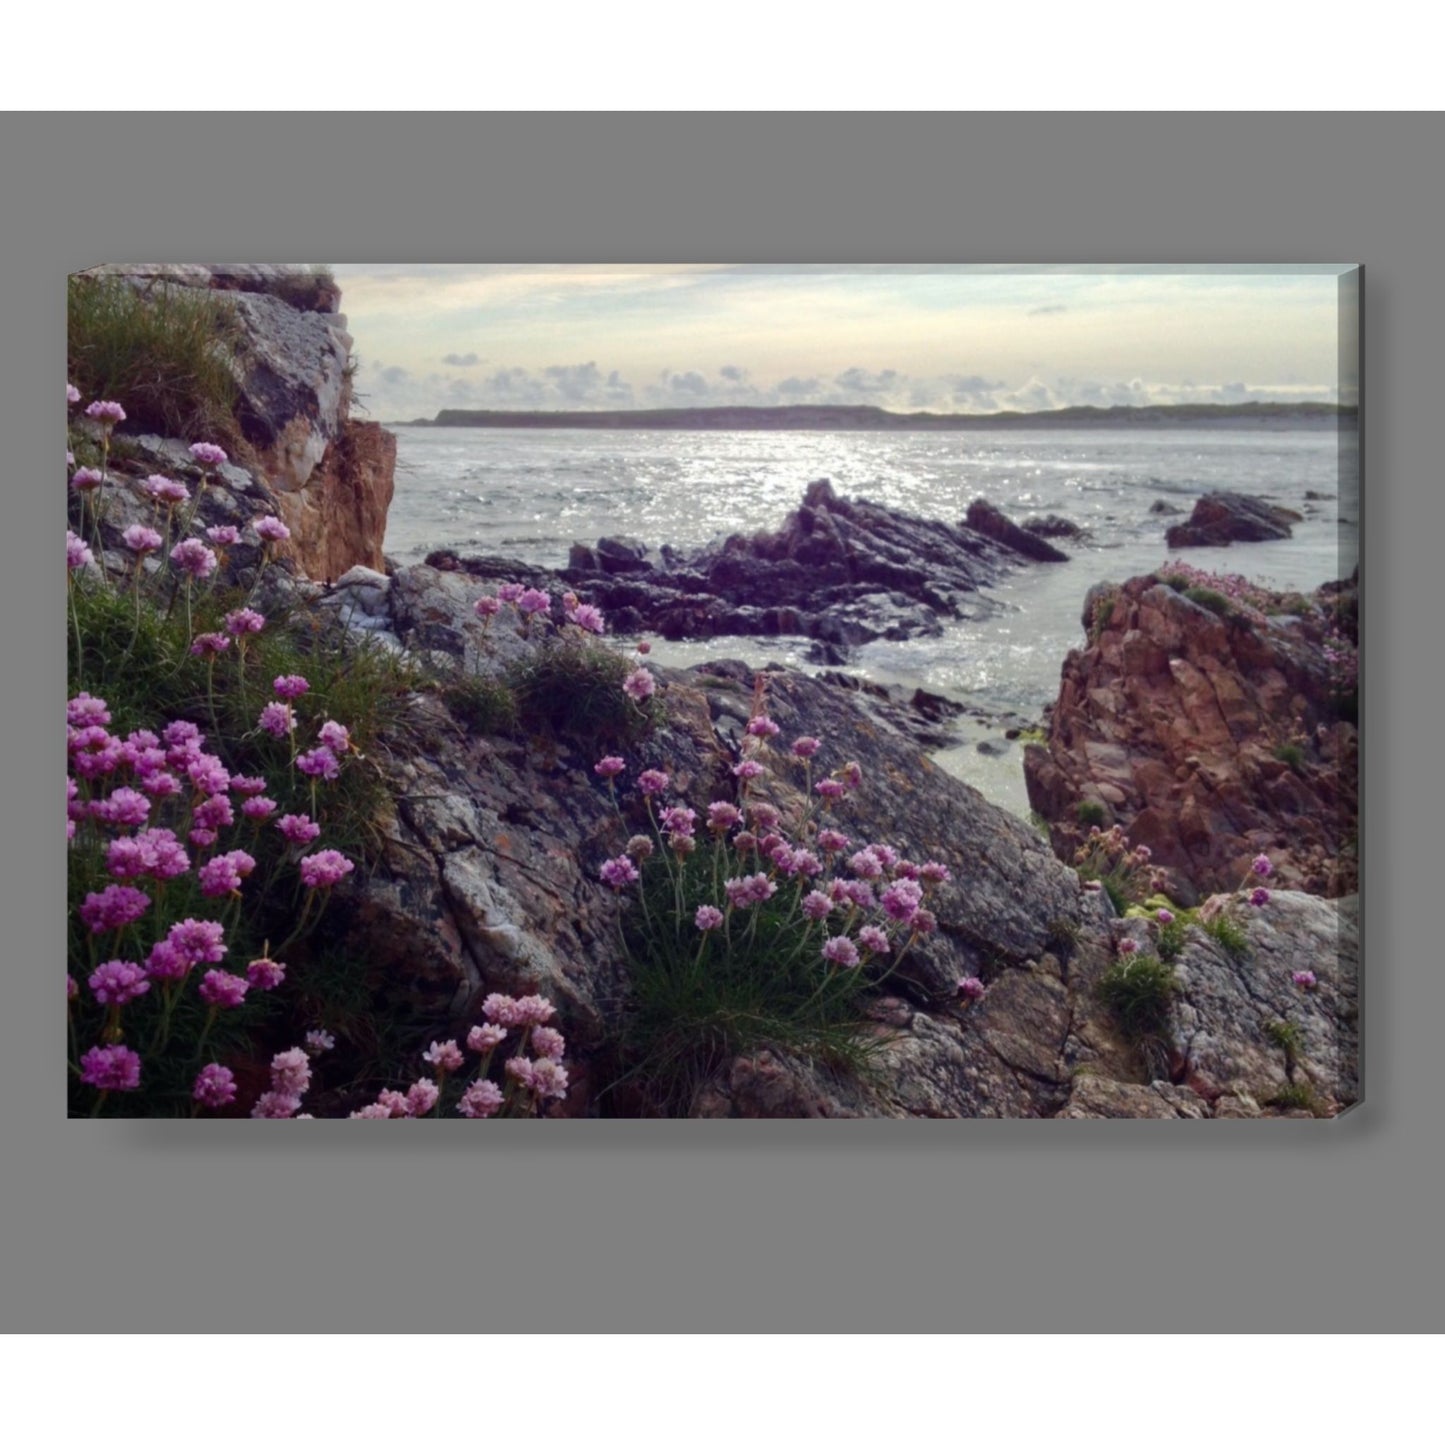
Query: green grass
[1229,934]
[1139,993]
[1170,942]
[1297,1096]
[696,1001]
[1208,598]
[1291,754]
[164,357]
[487,706]
[573,690]
[1285,1034]
[1090,813]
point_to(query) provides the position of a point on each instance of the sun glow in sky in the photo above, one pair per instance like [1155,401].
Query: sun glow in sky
[950,339]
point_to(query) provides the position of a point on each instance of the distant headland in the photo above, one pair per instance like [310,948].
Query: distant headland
[1268,414]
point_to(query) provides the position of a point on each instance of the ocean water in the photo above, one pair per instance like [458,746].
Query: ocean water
[530,494]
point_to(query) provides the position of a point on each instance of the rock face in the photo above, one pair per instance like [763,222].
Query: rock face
[1209,738]
[1224,517]
[984,517]
[840,571]
[328,477]
[488,880]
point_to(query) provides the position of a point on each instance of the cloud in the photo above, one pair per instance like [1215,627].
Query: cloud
[688,383]
[394,375]
[733,373]
[1048,310]
[867,383]
[453,359]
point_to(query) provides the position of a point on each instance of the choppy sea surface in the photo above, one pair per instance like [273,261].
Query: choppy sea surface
[531,494]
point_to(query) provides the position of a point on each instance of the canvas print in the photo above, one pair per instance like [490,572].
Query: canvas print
[712,691]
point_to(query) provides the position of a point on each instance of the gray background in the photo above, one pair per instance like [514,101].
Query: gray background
[866,1226]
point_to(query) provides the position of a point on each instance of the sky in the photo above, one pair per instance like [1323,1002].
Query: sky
[944,339]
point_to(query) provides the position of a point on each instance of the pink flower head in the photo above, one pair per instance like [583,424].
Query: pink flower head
[194,558]
[324,869]
[640,847]
[841,951]
[831,841]
[124,808]
[852,776]
[652,782]
[167,961]
[644,648]
[549,1079]
[487,607]
[208,454]
[901,899]
[107,413]
[141,539]
[275,1104]
[224,873]
[298,828]
[396,1104]
[208,775]
[85,711]
[480,1101]
[86,479]
[118,982]
[1259,897]
[1305,979]
[873,938]
[77,554]
[277,719]
[272,529]
[446,1057]
[215,1087]
[164,489]
[722,816]
[934,872]
[707,918]
[639,684]
[422,1098]
[319,1041]
[242,621]
[113,907]
[116,1067]
[806,747]
[521,1071]
[1164,916]
[748,769]
[185,737]
[258,809]
[371,1111]
[510,592]
[533,601]
[499,1008]
[72,393]
[290,685]
[319,763]
[223,990]
[859,894]
[925,921]
[618,872]
[765,817]
[265,974]
[1128,946]
[588,618]
[210,644]
[829,789]
[609,767]
[817,906]
[197,940]
[291,1072]
[249,787]
[972,988]
[904,869]
[1262,866]
[223,536]
[744,892]
[548,1043]
[483,1038]
[762,727]
[865,864]
[679,821]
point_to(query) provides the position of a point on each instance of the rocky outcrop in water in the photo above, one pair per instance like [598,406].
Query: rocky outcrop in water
[1212,731]
[1224,517]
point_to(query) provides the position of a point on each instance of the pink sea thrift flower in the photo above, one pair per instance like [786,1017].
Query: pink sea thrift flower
[275,1104]
[242,621]
[483,1038]
[510,592]
[588,618]
[72,393]
[259,809]
[1128,946]
[291,1072]
[652,782]
[644,648]
[866,865]
[609,767]
[117,982]
[203,837]
[762,727]
[521,1070]
[265,974]
[806,747]
[319,763]
[164,489]
[873,939]
[817,906]
[324,869]
[223,874]
[223,536]
[215,1087]
[1305,979]
[972,988]
[371,1111]
[1164,916]
[210,644]
[618,872]
[208,773]
[548,1043]
[320,1042]
[113,907]
[480,1101]
[1259,897]
[141,539]
[277,719]
[198,939]
[487,607]
[77,554]
[901,899]
[113,1068]
[272,529]
[640,847]
[124,808]
[298,828]
[247,786]
[214,814]
[1262,866]
[194,558]
[755,888]
[208,454]
[841,951]
[549,1079]
[679,821]
[223,990]
[533,601]
[722,816]
[924,921]
[639,684]
[748,769]
[86,479]
[934,872]
[707,918]
[290,685]
[336,736]
[445,1056]
[832,841]
[422,1098]
[107,413]
[167,962]
[829,789]
[83,711]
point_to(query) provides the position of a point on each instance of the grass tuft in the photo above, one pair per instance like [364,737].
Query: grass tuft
[1139,993]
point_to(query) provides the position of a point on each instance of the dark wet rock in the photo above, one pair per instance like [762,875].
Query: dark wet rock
[1312,496]
[1052,525]
[984,517]
[1224,517]
[992,747]
[622,554]
[1161,508]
